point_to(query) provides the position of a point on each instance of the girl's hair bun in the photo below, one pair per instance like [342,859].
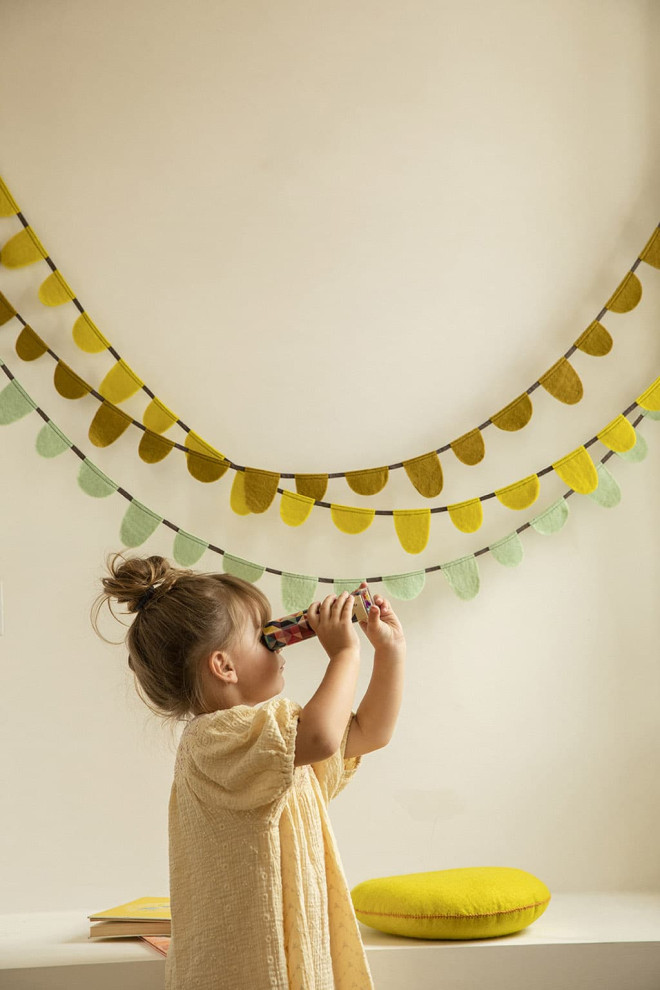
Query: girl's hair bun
[132,577]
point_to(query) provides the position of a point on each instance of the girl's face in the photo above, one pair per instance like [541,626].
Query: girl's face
[260,671]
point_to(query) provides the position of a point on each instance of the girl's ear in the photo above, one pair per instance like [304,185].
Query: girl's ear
[221,666]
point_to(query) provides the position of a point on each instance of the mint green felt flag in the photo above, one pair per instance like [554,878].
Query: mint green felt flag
[636,453]
[297,591]
[14,403]
[651,413]
[51,441]
[552,520]
[508,551]
[138,524]
[188,549]
[463,576]
[405,587]
[242,568]
[608,493]
[93,482]
[344,584]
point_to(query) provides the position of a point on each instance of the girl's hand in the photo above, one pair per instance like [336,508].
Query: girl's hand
[331,621]
[382,627]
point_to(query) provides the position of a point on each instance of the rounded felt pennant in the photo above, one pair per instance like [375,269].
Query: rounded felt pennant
[469,448]
[467,516]
[22,249]
[237,499]
[14,403]
[312,485]
[514,416]
[297,591]
[294,508]
[552,520]
[154,448]
[54,291]
[636,453]
[520,495]
[563,382]
[51,441]
[509,551]
[405,587]
[204,462]
[188,549]
[463,576]
[596,340]
[425,472]
[138,524]
[608,493]
[260,489]
[8,205]
[242,568]
[626,296]
[120,383]
[368,482]
[578,471]
[68,383]
[88,337]
[413,527]
[108,424]
[94,482]
[619,435]
[157,417]
[350,519]
[651,253]
[7,311]
[29,346]
[344,584]
[650,399]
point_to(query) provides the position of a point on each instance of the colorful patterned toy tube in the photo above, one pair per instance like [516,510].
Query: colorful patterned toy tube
[294,628]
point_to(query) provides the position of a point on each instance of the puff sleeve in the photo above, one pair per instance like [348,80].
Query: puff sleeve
[242,759]
[334,773]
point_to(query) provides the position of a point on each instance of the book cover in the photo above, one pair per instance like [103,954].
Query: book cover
[129,929]
[160,944]
[142,909]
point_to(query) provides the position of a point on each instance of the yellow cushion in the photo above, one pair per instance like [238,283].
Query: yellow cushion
[477,902]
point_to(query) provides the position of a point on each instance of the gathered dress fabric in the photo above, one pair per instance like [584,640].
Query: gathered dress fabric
[258,894]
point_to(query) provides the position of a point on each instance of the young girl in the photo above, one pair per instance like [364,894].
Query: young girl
[258,895]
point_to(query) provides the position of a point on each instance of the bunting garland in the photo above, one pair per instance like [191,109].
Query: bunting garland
[255,490]
[298,590]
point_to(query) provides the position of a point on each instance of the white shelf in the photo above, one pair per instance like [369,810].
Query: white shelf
[583,941]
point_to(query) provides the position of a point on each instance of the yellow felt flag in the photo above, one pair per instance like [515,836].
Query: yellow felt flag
[651,253]
[514,416]
[54,291]
[108,425]
[368,482]
[351,519]
[22,249]
[596,340]
[626,296]
[260,488]
[619,435]
[413,527]
[521,494]
[158,417]
[470,447]
[153,448]
[88,337]
[425,472]
[563,382]
[7,311]
[651,398]
[578,471]
[8,205]
[29,345]
[68,383]
[295,508]
[467,516]
[237,498]
[120,383]
[312,485]
[205,463]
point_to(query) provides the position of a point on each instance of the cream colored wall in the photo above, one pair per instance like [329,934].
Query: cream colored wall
[332,236]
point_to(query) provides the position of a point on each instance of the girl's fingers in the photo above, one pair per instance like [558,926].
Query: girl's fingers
[347,606]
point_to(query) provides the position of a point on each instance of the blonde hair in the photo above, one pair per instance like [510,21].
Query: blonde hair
[180,617]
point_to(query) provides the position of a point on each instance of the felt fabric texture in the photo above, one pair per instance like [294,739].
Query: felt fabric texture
[94,482]
[368,482]
[260,488]
[521,494]
[471,903]
[108,424]
[467,516]
[154,448]
[188,549]
[158,417]
[14,403]
[636,453]
[294,508]
[138,524]
[88,337]
[514,416]
[298,591]
[509,551]
[651,253]
[22,249]
[120,383]
[205,463]
[8,205]
[54,291]
[404,587]
[650,399]
[651,413]
[552,520]
[350,519]
[626,296]
[7,311]
[68,383]
[563,382]
[425,472]
[29,346]
[619,435]
[237,499]
[341,584]
[608,493]
[596,340]
[241,568]
[469,448]
[463,576]
[51,441]
[312,485]
[413,527]
[578,471]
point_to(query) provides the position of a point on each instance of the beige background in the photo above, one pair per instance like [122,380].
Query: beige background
[332,236]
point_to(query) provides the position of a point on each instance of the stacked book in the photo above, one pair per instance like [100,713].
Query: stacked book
[145,917]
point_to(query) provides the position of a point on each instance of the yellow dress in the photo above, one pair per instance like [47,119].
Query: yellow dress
[258,894]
